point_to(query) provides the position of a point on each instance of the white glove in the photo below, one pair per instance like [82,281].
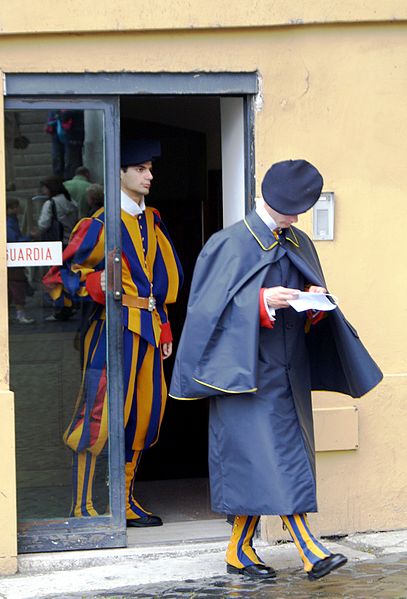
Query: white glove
[103,281]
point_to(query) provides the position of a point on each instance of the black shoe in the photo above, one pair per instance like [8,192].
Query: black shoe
[230,519]
[145,521]
[255,572]
[325,566]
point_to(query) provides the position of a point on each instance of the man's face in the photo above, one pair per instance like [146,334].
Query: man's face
[283,221]
[13,210]
[136,180]
[45,191]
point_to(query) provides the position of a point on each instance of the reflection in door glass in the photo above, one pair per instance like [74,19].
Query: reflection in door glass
[55,176]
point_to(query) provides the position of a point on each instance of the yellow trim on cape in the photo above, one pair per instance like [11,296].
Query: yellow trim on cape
[225,390]
[296,242]
[258,240]
[184,398]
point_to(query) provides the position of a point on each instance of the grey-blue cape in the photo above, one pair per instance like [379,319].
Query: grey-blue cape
[218,356]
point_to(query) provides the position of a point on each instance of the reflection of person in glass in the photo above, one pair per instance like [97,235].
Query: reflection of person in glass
[66,211]
[95,198]
[151,276]
[68,132]
[18,285]
[78,187]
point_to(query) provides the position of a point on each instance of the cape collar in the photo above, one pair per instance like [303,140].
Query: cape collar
[264,236]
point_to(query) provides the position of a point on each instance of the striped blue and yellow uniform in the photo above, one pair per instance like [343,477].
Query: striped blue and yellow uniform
[149,266]
[241,554]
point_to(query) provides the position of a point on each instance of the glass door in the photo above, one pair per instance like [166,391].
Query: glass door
[62,167]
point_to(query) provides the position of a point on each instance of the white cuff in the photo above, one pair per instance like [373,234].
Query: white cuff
[270,311]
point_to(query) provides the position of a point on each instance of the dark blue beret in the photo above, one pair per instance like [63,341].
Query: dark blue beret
[292,186]
[137,151]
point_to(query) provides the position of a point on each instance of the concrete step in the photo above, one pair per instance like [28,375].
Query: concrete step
[32,159]
[34,129]
[22,193]
[30,182]
[38,147]
[33,171]
[32,117]
[36,135]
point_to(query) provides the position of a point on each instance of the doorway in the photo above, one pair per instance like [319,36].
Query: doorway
[187,191]
[203,181]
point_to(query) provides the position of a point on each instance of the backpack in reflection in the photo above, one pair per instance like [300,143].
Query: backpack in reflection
[55,231]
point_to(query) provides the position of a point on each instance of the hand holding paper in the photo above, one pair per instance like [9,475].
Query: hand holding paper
[312,301]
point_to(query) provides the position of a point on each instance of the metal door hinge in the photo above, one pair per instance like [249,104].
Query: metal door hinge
[114,273]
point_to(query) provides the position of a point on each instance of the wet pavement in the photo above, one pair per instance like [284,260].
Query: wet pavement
[377,569]
[382,578]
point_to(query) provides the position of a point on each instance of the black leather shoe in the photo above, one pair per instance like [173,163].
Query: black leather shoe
[325,566]
[145,521]
[230,519]
[255,572]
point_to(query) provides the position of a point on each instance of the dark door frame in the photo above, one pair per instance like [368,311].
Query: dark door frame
[101,531]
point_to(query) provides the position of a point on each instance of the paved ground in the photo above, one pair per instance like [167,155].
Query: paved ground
[377,568]
[384,578]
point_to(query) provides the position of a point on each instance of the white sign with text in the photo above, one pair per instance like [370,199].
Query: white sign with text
[34,253]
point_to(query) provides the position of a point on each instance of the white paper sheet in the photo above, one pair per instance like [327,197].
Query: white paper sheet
[312,301]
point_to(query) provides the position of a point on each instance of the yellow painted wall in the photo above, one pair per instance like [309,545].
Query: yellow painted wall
[25,16]
[334,94]
[8,536]
[8,525]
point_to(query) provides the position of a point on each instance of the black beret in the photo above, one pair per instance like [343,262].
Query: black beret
[292,186]
[137,151]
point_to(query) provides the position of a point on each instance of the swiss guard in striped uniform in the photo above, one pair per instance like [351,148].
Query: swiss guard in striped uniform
[258,359]
[151,278]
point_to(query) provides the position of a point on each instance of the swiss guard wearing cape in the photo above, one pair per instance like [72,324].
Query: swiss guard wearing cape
[245,347]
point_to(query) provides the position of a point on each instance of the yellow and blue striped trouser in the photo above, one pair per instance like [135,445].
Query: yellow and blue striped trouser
[310,549]
[240,552]
[145,395]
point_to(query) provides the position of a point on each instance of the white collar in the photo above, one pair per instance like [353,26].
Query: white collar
[264,215]
[130,206]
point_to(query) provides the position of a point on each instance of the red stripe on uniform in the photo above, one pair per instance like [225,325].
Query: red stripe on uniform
[53,276]
[77,239]
[97,411]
